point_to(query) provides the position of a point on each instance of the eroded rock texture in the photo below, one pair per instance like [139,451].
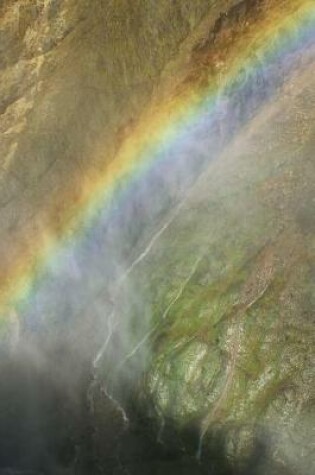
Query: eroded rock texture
[206,346]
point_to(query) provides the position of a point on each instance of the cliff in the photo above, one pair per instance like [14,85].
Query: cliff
[177,334]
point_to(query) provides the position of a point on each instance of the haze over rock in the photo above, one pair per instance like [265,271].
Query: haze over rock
[176,333]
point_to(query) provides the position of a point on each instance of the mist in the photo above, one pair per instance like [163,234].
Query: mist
[76,353]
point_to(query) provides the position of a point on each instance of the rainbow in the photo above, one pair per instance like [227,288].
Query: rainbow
[286,29]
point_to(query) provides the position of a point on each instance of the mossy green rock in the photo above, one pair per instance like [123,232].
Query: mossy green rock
[229,285]
[232,278]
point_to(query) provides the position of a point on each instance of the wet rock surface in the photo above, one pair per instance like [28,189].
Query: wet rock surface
[241,331]
[216,374]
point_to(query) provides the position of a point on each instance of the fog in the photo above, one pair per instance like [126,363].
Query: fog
[83,335]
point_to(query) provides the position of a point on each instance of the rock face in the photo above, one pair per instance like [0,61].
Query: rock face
[212,350]
[233,350]
[67,67]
